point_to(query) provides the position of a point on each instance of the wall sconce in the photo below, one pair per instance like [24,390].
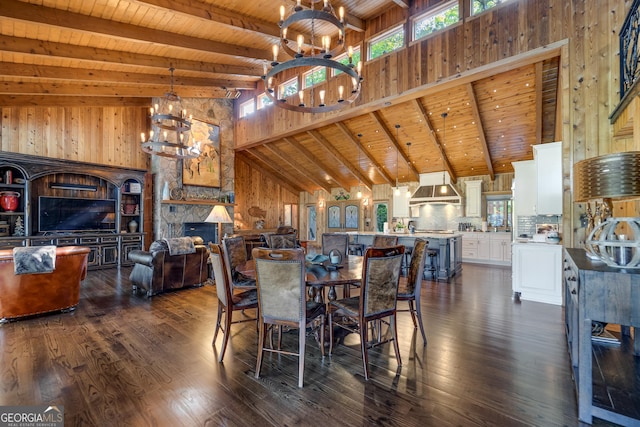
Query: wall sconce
[321,203]
[365,202]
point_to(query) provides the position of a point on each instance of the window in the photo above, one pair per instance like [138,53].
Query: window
[499,212]
[314,76]
[288,88]
[311,222]
[344,59]
[247,108]
[387,42]
[263,101]
[479,6]
[381,212]
[436,20]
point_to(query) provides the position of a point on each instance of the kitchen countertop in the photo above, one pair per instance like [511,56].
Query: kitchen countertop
[434,235]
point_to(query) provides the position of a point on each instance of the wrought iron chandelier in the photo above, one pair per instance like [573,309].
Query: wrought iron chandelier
[171,129]
[318,50]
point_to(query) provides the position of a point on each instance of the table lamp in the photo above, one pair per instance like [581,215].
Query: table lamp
[220,215]
[611,177]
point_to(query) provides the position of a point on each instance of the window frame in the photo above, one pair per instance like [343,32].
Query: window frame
[243,105]
[336,72]
[433,12]
[400,29]
[473,15]
[288,83]
[311,71]
[260,102]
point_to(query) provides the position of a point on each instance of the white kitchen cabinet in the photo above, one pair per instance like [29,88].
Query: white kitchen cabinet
[525,190]
[473,198]
[548,158]
[483,246]
[486,248]
[500,247]
[537,272]
[401,203]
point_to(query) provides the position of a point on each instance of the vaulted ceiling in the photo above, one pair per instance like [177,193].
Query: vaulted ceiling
[84,52]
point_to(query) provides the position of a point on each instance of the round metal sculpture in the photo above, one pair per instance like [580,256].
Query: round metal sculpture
[616,242]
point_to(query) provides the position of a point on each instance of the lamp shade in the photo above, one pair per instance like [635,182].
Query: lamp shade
[614,176]
[219,214]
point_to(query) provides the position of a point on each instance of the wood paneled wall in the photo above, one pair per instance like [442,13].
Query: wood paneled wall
[100,135]
[589,78]
[254,189]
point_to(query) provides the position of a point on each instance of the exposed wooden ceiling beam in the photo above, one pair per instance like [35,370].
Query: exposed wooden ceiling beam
[256,162]
[310,157]
[304,173]
[539,122]
[402,3]
[377,117]
[89,75]
[347,133]
[71,101]
[64,51]
[475,111]
[339,157]
[95,89]
[211,13]
[59,18]
[432,136]
[290,177]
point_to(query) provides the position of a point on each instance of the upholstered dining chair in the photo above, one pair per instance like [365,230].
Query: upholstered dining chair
[228,301]
[338,242]
[283,241]
[335,241]
[411,285]
[281,281]
[235,253]
[384,241]
[377,301]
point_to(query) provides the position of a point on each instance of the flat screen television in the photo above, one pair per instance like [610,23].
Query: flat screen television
[66,214]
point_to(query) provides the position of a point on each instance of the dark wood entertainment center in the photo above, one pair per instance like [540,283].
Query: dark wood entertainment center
[32,176]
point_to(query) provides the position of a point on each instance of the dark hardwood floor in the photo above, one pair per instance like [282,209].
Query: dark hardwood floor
[125,360]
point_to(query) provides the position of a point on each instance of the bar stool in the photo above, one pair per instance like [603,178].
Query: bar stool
[432,256]
[406,260]
[356,249]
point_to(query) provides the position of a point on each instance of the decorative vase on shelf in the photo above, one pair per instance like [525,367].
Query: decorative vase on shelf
[165,191]
[133,226]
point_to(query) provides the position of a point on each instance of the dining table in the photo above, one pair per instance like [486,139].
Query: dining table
[322,276]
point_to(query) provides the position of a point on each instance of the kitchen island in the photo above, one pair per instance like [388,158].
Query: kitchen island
[448,245]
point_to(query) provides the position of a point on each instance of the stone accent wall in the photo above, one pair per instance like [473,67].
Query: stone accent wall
[168,218]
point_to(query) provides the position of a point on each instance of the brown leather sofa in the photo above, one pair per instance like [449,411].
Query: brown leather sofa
[29,294]
[157,271]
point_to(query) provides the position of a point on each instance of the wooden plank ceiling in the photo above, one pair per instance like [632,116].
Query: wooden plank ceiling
[85,52]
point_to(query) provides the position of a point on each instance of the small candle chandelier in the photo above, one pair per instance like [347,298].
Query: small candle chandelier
[171,129]
[317,51]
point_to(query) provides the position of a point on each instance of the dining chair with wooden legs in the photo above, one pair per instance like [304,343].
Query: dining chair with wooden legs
[377,301]
[235,252]
[228,301]
[410,287]
[281,281]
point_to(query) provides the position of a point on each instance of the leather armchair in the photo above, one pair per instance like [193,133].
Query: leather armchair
[157,271]
[29,294]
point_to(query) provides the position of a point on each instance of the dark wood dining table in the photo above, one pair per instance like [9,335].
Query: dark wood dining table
[322,276]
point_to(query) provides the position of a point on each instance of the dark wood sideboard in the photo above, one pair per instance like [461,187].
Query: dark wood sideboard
[595,292]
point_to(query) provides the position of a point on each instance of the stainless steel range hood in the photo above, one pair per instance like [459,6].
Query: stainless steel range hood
[431,190]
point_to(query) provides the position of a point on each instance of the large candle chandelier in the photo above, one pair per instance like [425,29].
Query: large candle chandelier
[319,49]
[171,129]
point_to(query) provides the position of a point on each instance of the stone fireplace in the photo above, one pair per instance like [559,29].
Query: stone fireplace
[193,203]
